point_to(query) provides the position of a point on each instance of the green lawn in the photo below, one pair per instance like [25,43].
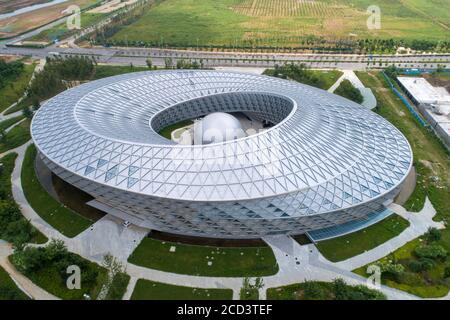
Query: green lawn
[149,290]
[318,290]
[8,289]
[167,131]
[316,78]
[431,160]
[328,77]
[103,71]
[61,218]
[430,157]
[193,259]
[277,23]
[16,137]
[5,175]
[15,88]
[8,162]
[355,243]
[5,124]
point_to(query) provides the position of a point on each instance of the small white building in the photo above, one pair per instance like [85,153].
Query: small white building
[433,102]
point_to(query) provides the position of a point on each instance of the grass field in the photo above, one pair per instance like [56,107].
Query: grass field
[60,31]
[16,136]
[5,124]
[149,290]
[8,289]
[21,23]
[103,71]
[430,157]
[58,216]
[430,160]
[355,243]
[194,259]
[283,22]
[15,88]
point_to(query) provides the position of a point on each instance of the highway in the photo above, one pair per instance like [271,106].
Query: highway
[138,56]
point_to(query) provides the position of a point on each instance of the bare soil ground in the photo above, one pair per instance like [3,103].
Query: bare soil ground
[10,6]
[21,23]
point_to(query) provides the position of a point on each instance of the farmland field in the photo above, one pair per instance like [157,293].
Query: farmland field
[21,23]
[283,22]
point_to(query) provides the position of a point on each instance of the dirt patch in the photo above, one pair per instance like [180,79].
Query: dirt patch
[7,6]
[437,81]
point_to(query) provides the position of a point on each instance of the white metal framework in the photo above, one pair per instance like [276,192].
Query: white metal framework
[325,161]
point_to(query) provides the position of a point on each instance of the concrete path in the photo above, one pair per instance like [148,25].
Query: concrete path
[302,263]
[108,235]
[130,288]
[370,101]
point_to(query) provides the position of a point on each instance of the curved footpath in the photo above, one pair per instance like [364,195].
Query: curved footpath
[297,263]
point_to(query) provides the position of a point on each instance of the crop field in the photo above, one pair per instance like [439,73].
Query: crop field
[284,22]
[21,23]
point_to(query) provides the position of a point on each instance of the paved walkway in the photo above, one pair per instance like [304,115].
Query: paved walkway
[370,101]
[107,235]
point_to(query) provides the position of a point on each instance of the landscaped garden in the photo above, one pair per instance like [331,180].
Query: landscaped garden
[48,266]
[408,268]
[14,227]
[420,267]
[13,86]
[66,221]
[204,260]
[358,242]
[347,90]
[300,73]
[8,289]
[16,137]
[318,290]
[150,290]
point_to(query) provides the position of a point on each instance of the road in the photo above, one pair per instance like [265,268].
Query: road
[138,56]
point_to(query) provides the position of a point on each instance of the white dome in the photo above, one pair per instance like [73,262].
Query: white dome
[217,127]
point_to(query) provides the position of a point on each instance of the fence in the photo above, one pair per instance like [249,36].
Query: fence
[402,98]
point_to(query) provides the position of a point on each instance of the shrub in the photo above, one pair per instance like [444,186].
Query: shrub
[422,264]
[390,267]
[433,235]
[314,291]
[342,291]
[347,90]
[447,272]
[433,251]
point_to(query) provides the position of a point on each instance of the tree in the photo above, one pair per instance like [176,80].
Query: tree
[433,235]
[149,63]
[250,291]
[433,251]
[36,104]
[3,135]
[27,112]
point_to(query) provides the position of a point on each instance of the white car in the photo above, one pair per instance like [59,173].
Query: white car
[126,223]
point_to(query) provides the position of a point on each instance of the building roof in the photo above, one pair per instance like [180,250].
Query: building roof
[335,152]
[423,91]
